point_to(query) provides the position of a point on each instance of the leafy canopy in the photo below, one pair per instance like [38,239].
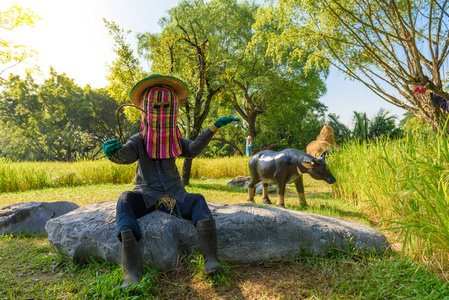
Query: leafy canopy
[11,53]
[390,46]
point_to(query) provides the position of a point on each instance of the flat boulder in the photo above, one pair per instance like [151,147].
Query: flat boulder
[31,216]
[246,233]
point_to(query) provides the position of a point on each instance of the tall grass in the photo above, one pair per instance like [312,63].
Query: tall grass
[22,176]
[403,185]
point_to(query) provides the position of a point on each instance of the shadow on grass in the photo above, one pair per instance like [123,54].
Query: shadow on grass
[331,211]
[344,213]
[330,207]
[322,204]
[219,187]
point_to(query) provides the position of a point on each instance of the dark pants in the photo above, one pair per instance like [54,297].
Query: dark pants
[131,206]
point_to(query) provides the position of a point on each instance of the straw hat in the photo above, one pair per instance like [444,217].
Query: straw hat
[179,88]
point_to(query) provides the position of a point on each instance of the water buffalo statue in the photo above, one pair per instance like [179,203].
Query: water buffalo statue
[285,167]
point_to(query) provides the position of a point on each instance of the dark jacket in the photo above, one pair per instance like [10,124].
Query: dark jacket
[158,177]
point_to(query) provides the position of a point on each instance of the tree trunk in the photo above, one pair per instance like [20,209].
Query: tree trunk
[68,157]
[252,125]
[186,168]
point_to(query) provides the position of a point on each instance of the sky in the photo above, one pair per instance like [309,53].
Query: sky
[71,37]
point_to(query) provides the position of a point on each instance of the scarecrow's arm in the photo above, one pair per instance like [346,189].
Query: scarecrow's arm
[191,149]
[128,154]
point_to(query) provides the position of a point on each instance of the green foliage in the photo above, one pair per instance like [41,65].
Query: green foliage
[125,70]
[220,281]
[55,120]
[105,284]
[415,126]
[382,125]
[341,132]
[373,42]
[233,75]
[22,176]
[11,53]
[229,140]
[403,184]
[293,126]
[33,175]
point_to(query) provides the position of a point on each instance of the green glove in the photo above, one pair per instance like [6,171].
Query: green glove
[225,121]
[110,147]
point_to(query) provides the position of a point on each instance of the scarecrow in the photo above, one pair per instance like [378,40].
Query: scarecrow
[157,183]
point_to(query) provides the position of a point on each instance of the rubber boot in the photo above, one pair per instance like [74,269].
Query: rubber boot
[207,238]
[132,263]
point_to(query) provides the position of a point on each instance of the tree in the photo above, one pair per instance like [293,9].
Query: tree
[382,124]
[55,120]
[125,70]
[206,45]
[11,54]
[183,50]
[386,45]
[341,132]
[259,87]
[361,125]
[294,124]
[123,73]
[230,140]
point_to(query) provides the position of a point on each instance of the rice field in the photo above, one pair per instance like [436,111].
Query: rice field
[23,176]
[398,186]
[403,186]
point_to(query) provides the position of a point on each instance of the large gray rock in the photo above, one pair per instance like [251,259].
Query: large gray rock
[246,233]
[31,216]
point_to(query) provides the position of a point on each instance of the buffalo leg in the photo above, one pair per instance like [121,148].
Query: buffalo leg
[251,188]
[265,198]
[300,189]
[281,194]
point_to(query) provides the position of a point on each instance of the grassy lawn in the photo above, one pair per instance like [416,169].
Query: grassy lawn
[30,268]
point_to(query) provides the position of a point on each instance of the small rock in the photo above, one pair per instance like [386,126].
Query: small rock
[239,181]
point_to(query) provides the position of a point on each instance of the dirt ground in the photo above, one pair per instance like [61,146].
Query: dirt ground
[276,280]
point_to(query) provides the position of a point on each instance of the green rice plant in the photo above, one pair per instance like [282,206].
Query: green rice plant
[218,167]
[22,176]
[403,186]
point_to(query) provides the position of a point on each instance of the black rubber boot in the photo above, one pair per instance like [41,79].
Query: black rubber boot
[132,263]
[207,238]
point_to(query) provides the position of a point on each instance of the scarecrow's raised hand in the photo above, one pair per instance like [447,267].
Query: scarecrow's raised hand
[111,147]
[225,121]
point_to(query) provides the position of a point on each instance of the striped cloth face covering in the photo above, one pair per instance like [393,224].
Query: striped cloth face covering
[160,131]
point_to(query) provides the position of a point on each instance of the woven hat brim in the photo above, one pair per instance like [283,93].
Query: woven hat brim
[179,88]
